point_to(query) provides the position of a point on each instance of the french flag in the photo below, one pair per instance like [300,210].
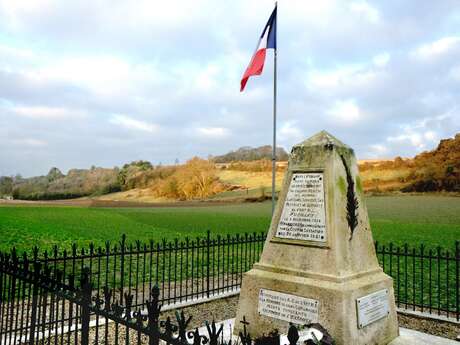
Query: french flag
[267,41]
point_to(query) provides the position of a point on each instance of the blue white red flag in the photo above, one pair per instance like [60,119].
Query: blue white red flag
[267,41]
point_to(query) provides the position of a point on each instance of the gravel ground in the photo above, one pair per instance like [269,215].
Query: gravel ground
[218,310]
[223,309]
[443,329]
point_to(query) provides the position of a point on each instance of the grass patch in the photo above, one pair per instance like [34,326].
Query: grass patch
[428,219]
[27,226]
[432,220]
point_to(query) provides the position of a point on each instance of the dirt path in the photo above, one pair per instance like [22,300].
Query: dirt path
[113,203]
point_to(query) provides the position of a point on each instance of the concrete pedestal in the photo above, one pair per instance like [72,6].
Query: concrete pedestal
[337,311]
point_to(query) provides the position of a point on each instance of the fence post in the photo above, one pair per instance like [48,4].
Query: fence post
[457,272]
[12,288]
[208,247]
[85,305]
[153,312]
[122,266]
[1,281]
[33,318]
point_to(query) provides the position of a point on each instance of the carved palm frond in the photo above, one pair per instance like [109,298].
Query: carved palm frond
[352,200]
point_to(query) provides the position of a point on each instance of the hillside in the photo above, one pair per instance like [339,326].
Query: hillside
[237,174]
[431,171]
[196,179]
[438,170]
[248,153]
[56,185]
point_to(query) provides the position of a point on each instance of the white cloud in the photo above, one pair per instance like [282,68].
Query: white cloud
[42,113]
[454,73]
[328,79]
[430,135]
[24,14]
[102,75]
[436,48]
[318,13]
[182,61]
[15,11]
[289,133]
[206,78]
[343,77]
[378,151]
[414,139]
[417,135]
[133,124]
[30,142]
[9,52]
[381,60]
[213,132]
[345,111]
[364,9]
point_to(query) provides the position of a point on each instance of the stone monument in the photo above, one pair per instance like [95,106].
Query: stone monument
[319,263]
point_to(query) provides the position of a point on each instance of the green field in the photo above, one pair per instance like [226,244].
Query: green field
[433,220]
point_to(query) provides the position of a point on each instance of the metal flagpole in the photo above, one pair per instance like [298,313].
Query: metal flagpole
[274,115]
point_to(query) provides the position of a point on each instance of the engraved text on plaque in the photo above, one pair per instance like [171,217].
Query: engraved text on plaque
[372,307]
[286,307]
[303,215]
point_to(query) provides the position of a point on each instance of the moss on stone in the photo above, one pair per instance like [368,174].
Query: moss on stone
[359,186]
[342,185]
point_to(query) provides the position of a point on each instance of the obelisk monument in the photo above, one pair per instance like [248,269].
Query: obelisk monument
[319,263]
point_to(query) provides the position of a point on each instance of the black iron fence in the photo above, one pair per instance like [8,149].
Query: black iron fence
[425,281]
[96,317]
[185,270]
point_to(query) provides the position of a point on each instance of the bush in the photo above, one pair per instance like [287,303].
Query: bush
[196,179]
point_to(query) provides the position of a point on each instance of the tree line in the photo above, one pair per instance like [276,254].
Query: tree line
[196,178]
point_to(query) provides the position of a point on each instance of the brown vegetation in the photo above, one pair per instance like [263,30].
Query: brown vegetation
[196,179]
[437,170]
[141,174]
[432,171]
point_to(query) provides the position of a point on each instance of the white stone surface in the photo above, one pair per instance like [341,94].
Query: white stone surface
[406,337]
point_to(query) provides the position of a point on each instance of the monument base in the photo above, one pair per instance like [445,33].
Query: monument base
[337,309]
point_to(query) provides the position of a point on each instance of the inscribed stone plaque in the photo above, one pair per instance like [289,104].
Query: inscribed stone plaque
[286,307]
[303,215]
[372,307]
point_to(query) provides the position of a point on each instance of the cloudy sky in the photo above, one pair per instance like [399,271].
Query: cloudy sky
[104,82]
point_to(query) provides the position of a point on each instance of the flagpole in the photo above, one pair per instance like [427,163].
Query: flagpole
[274,116]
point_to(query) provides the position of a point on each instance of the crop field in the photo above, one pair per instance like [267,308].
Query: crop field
[431,220]
[423,276]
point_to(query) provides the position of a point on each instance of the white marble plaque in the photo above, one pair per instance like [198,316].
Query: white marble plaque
[372,307]
[286,307]
[303,215]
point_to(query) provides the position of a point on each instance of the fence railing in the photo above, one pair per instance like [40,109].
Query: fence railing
[425,281]
[102,319]
[184,270]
